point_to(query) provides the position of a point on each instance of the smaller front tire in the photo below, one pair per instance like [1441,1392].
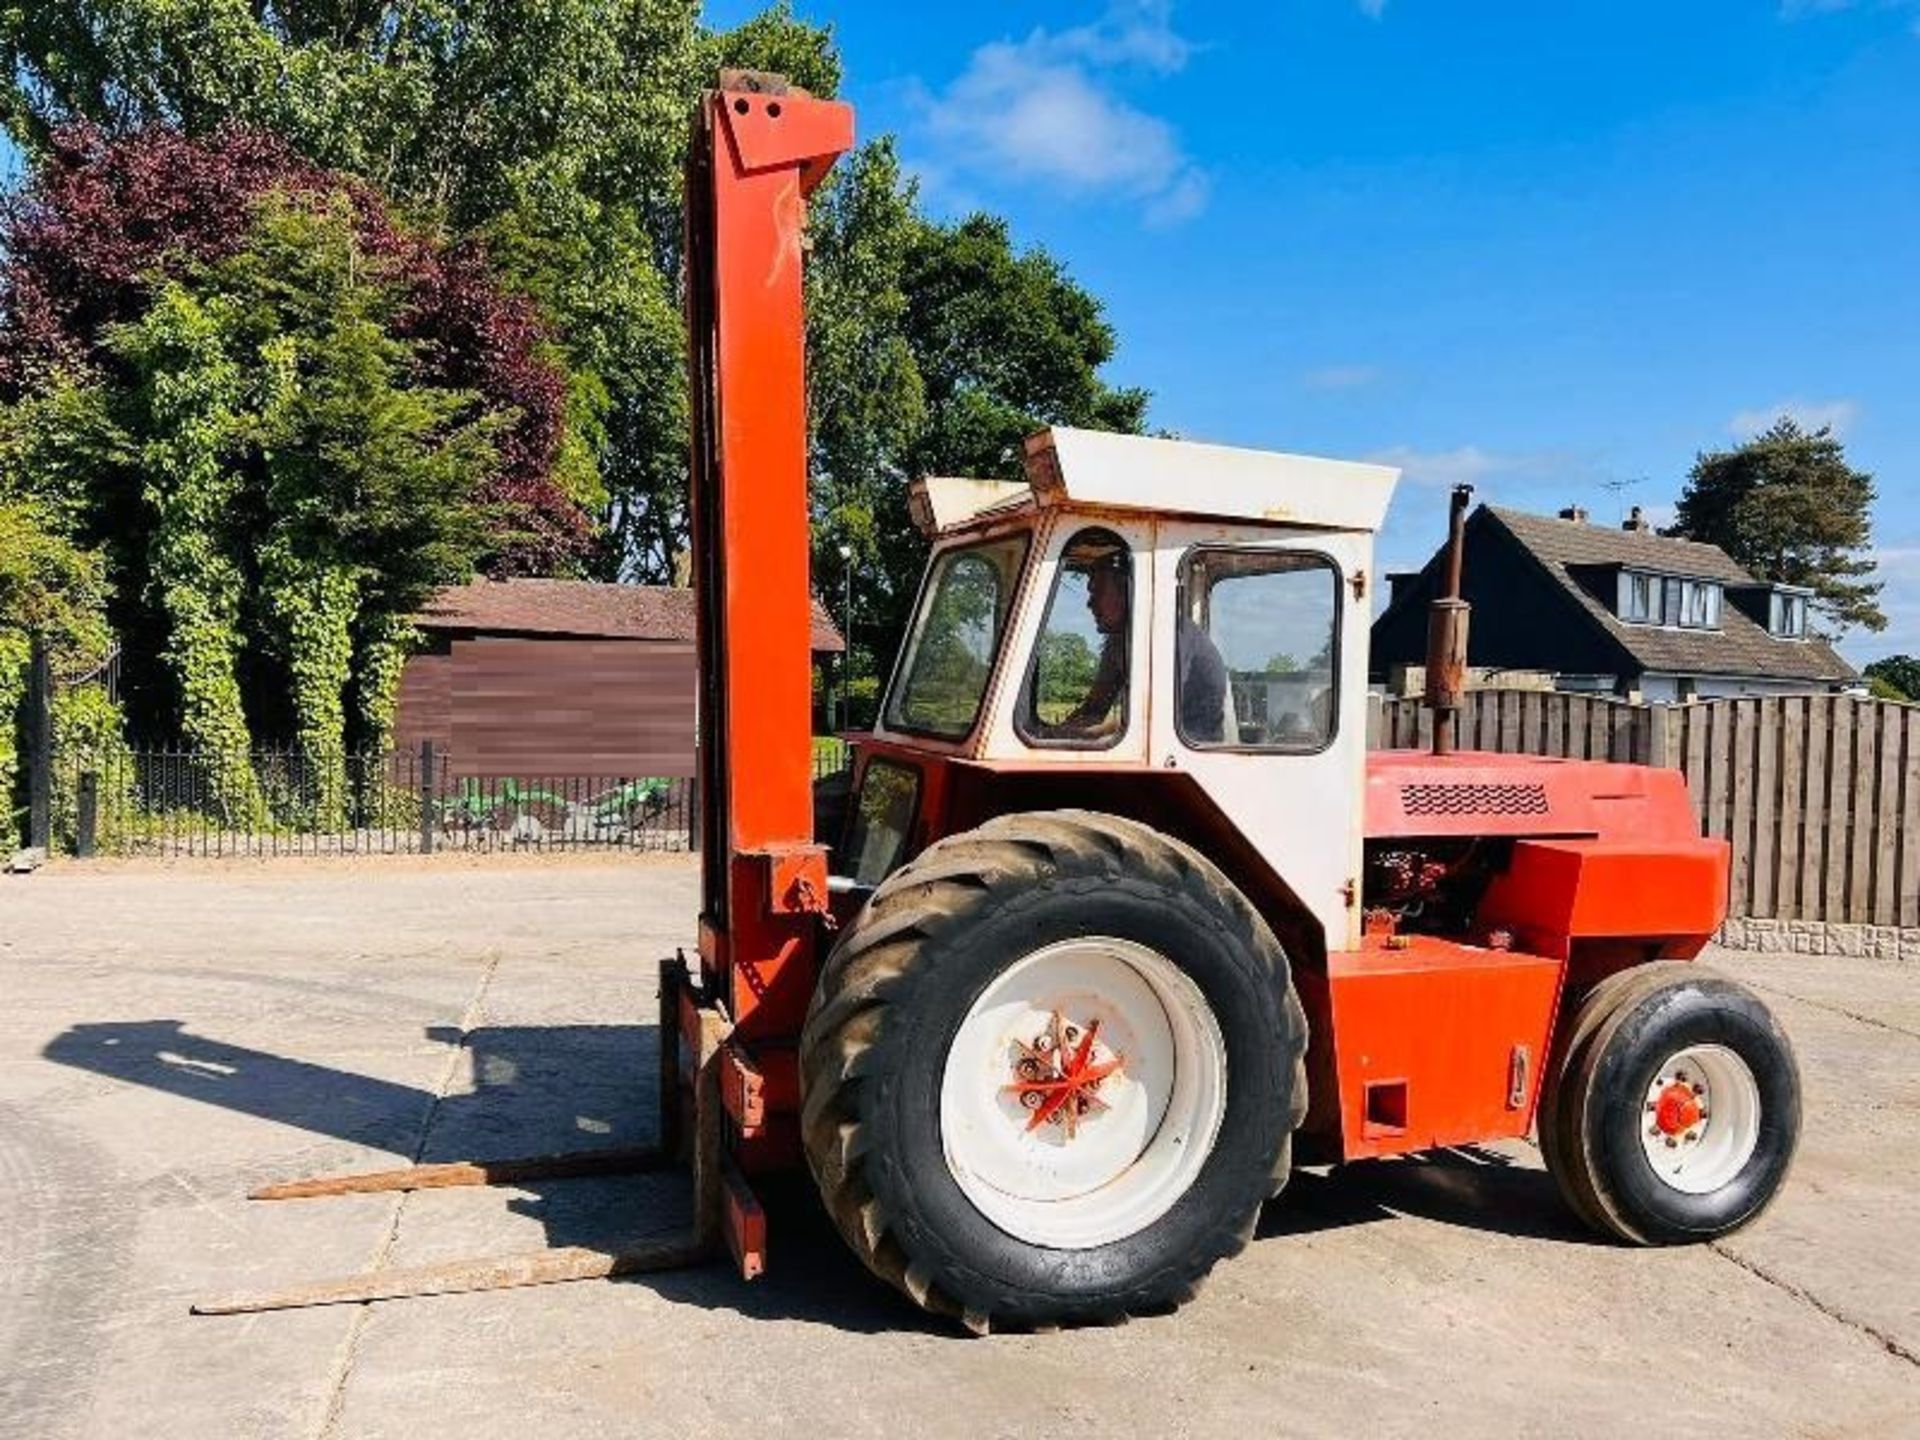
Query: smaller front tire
[1675,1109]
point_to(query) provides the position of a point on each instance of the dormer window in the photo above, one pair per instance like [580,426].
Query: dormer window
[1639,597]
[1787,615]
[1669,600]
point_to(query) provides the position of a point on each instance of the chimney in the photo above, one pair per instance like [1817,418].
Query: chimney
[1575,513]
[1636,522]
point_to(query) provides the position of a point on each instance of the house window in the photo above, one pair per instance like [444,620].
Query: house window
[1789,614]
[1702,606]
[1671,601]
[1637,592]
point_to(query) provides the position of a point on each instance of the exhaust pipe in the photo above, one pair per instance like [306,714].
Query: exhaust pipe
[1447,634]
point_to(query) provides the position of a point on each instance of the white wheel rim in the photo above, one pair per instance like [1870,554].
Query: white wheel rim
[1700,1122]
[1148,1124]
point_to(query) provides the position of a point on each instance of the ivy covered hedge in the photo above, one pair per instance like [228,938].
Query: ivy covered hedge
[51,586]
[278,418]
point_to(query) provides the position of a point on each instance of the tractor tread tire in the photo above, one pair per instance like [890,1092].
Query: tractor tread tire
[887,952]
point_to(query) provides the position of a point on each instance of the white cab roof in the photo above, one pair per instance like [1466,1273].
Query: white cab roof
[1099,470]
[1137,472]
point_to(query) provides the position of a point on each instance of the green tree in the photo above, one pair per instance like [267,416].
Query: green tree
[52,587]
[935,349]
[1897,677]
[1063,674]
[1789,507]
[555,134]
[307,485]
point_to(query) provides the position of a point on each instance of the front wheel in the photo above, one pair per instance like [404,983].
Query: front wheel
[1675,1110]
[1052,1072]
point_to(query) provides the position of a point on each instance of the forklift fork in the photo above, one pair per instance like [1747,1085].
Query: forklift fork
[693,1034]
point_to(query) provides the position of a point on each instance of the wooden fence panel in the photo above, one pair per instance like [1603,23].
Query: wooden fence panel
[1819,795]
[1907,888]
[1793,808]
[1764,859]
[1813,812]
[1884,868]
[1833,874]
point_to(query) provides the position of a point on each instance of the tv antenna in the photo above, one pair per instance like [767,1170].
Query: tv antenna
[1618,489]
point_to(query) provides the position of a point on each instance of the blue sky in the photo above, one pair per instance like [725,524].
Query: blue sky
[1543,248]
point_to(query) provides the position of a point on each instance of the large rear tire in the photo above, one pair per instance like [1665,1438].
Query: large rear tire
[1674,1108]
[1052,1072]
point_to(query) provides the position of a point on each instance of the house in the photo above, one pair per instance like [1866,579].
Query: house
[552,678]
[1620,611]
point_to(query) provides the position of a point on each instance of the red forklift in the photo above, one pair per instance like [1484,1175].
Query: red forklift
[1123,920]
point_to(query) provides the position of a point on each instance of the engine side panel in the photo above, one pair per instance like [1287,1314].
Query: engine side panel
[1425,1043]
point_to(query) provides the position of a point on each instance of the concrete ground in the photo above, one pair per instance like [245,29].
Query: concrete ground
[171,1037]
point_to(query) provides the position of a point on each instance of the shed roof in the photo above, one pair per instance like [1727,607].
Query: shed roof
[1739,647]
[584,609]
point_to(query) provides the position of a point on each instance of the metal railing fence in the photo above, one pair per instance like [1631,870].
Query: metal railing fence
[178,801]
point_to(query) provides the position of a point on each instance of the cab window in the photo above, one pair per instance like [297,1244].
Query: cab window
[956,638]
[882,817]
[1076,691]
[1256,658]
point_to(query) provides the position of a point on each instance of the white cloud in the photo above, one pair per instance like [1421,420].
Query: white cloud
[1809,414]
[1372,9]
[1803,9]
[1046,110]
[1899,569]
[1660,514]
[1341,377]
[1464,465]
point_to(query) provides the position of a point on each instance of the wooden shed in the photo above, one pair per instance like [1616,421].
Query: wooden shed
[559,678]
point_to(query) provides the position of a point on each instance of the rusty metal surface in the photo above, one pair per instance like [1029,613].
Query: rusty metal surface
[1447,632]
[539,1267]
[567,1165]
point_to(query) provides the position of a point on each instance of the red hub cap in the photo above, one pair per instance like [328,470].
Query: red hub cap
[1058,1076]
[1677,1110]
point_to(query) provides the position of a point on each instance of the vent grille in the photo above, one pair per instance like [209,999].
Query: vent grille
[1474,799]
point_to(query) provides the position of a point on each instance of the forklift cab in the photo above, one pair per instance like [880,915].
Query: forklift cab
[1142,625]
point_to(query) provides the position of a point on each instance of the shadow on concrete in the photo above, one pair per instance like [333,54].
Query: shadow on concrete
[1470,1187]
[543,1089]
[536,1090]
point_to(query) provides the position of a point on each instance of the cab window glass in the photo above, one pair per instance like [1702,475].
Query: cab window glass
[1076,693]
[1256,657]
[956,638]
[889,795]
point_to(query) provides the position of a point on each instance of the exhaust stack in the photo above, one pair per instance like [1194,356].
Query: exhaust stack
[1447,634]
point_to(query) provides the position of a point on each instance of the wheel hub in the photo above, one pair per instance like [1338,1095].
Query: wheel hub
[1057,1075]
[1679,1109]
[1701,1119]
